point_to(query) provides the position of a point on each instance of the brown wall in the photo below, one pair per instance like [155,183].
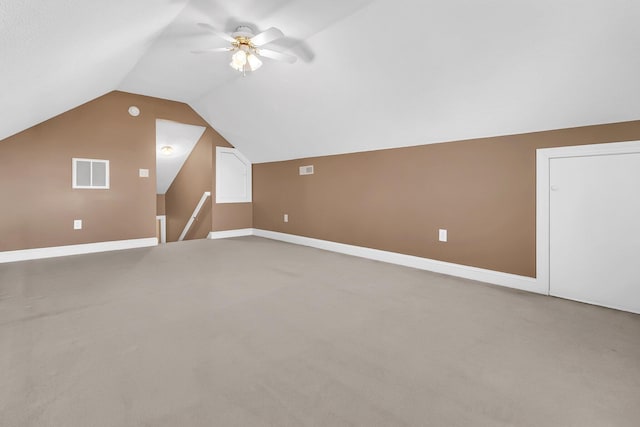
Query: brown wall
[160,204]
[482,191]
[194,178]
[233,216]
[38,203]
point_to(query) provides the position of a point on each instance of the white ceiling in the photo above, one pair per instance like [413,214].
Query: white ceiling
[373,73]
[181,138]
[58,54]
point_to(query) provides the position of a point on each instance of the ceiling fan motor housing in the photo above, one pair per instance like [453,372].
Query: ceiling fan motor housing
[243,32]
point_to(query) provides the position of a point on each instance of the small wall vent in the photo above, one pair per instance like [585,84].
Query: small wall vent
[306,170]
[90,173]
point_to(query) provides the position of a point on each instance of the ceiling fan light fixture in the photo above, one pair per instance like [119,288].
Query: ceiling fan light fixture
[254,62]
[239,59]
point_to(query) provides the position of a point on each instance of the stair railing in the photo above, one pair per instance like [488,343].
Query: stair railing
[195,213]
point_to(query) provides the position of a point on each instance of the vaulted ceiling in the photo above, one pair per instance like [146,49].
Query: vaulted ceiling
[371,73]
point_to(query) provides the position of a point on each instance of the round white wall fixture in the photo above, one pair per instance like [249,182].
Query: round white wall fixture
[134,111]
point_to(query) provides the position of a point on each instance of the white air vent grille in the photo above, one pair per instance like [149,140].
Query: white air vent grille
[90,173]
[306,170]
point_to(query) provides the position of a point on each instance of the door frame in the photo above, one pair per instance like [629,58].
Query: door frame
[543,159]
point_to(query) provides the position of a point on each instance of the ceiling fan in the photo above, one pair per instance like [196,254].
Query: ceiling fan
[247,47]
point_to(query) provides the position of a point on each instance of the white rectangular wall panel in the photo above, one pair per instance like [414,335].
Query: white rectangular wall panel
[594,229]
[233,176]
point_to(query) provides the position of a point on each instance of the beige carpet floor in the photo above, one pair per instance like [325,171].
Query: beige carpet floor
[252,332]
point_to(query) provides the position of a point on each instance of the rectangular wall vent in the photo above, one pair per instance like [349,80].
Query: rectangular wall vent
[306,170]
[90,173]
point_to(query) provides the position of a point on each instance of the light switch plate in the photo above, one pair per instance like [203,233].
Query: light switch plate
[286,217]
[442,235]
[77,224]
[144,173]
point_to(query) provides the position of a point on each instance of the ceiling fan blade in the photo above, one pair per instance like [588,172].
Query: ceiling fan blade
[217,49]
[220,34]
[266,36]
[278,56]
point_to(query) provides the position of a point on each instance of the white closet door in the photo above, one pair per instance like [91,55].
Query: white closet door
[595,230]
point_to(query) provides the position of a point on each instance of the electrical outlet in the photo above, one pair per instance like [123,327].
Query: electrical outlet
[442,235]
[286,217]
[144,173]
[77,224]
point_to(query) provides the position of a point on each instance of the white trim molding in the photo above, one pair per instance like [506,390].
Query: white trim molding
[163,227]
[213,235]
[87,248]
[482,275]
[543,159]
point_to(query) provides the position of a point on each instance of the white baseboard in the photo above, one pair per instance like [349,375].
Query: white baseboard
[230,233]
[489,276]
[87,248]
